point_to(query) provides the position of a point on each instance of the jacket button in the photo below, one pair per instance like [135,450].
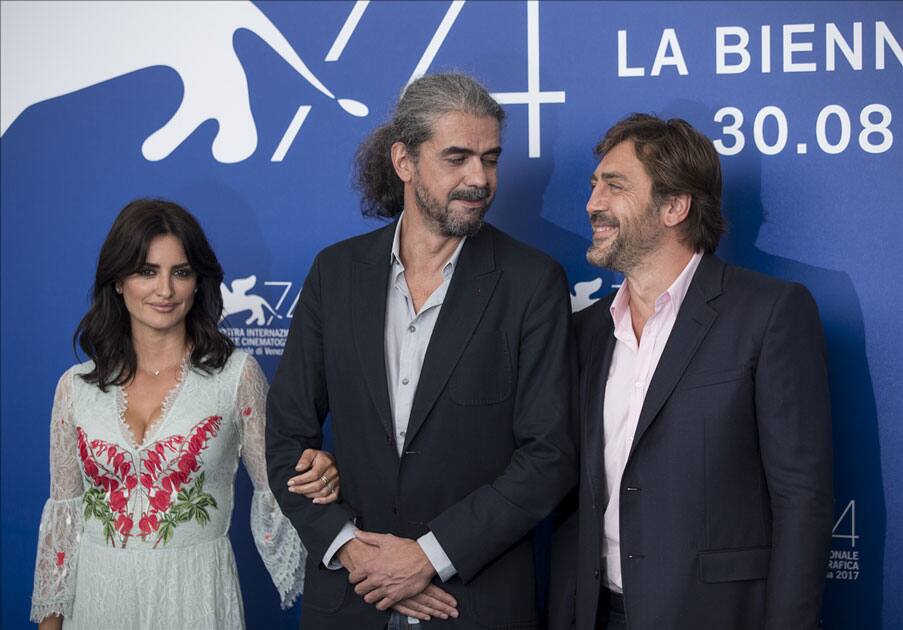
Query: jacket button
[596,574]
[632,489]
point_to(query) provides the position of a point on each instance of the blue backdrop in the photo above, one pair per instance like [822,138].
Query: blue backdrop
[236,111]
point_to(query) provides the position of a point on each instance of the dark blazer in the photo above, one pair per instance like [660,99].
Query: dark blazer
[490,448]
[726,499]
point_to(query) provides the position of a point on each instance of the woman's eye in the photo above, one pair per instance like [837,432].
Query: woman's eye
[183,273]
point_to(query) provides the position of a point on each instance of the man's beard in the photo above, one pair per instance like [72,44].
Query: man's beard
[447,222]
[636,239]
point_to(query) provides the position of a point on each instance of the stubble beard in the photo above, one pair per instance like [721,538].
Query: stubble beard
[635,240]
[443,220]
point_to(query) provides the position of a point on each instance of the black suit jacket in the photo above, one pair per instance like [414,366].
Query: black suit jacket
[726,498]
[490,446]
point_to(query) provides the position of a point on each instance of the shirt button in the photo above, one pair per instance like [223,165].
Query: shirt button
[405,381]
[401,433]
[412,328]
[638,384]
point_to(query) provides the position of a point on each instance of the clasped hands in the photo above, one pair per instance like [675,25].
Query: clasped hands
[387,571]
[393,572]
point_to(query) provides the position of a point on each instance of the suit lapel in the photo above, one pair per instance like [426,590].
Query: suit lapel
[693,323]
[370,279]
[592,396]
[471,288]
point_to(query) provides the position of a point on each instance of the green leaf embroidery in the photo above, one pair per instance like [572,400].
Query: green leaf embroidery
[190,505]
[96,506]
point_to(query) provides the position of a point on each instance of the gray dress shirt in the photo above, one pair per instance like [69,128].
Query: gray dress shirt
[407,336]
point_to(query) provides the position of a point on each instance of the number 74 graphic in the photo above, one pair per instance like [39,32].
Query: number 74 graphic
[533,97]
[849,514]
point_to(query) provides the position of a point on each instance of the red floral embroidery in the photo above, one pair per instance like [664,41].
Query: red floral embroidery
[148,523]
[248,411]
[123,524]
[165,467]
[60,558]
[118,501]
[160,500]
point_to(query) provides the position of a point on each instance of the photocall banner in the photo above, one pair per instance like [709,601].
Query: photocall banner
[249,115]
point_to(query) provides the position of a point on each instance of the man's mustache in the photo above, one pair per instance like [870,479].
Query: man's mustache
[475,193]
[600,218]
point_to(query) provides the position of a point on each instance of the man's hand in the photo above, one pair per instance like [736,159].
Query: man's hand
[432,602]
[355,554]
[398,571]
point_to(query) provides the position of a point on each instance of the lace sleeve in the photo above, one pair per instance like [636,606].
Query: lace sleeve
[61,520]
[276,539]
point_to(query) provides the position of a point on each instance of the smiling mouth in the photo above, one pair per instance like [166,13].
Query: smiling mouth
[602,232]
[163,307]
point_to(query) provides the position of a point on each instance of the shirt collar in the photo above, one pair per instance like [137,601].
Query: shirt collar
[395,256]
[673,295]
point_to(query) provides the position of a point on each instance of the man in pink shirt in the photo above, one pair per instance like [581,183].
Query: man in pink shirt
[705,496]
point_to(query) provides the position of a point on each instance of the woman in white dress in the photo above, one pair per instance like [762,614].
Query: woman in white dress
[144,444]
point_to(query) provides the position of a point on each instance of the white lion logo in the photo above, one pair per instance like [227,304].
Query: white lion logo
[54,48]
[580,298]
[238,300]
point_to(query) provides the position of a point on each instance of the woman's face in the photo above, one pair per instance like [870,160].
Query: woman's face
[159,295]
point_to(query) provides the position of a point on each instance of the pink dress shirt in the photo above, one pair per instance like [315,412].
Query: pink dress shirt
[632,367]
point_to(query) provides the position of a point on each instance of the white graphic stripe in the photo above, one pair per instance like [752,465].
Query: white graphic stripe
[533,127]
[533,97]
[533,46]
[290,133]
[357,11]
[438,38]
[519,98]
[286,287]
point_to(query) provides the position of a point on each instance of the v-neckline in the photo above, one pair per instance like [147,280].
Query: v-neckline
[152,429]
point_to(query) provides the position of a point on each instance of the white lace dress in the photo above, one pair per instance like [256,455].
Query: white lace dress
[138,536]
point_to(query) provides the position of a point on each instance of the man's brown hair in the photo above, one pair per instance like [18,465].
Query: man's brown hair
[679,160]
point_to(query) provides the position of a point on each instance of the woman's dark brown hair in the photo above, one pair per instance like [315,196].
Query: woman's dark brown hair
[105,334]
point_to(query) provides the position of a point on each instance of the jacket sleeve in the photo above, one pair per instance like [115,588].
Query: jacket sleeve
[297,405]
[543,468]
[561,613]
[794,422]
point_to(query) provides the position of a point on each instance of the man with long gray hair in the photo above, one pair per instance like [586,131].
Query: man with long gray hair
[441,349]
